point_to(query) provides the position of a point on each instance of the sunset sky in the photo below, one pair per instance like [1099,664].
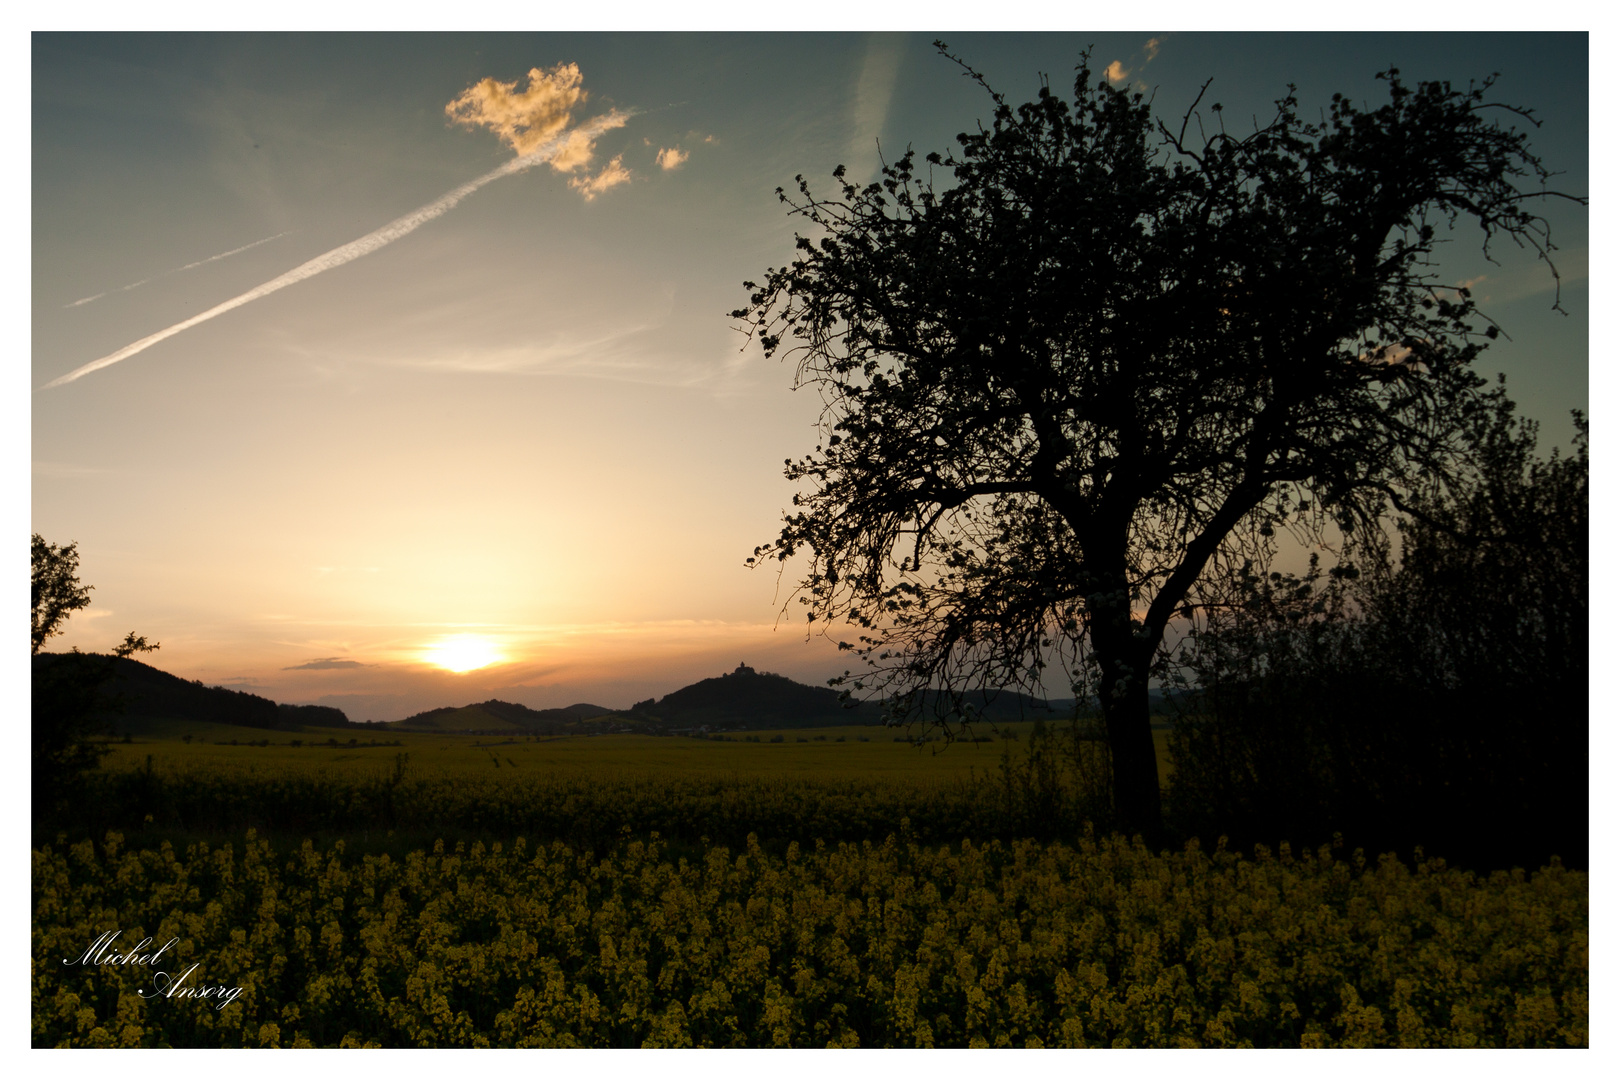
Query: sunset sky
[515,427]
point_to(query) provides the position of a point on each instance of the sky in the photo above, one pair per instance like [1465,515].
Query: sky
[441,372]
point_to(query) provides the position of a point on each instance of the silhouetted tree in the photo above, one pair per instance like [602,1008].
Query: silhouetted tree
[1112,349]
[69,702]
[56,592]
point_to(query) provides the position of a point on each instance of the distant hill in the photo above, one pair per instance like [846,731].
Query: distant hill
[742,698]
[492,716]
[749,698]
[143,691]
[745,698]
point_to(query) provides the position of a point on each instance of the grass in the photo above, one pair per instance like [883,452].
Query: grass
[185,781]
[836,753]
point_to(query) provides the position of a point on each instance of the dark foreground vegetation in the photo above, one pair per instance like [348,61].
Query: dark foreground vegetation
[1090,943]
[708,911]
[1441,703]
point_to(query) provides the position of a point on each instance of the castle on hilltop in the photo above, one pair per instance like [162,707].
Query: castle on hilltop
[744,669]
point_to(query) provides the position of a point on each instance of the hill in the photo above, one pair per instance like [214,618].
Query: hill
[748,698]
[503,716]
[142,691]
[754,699]
[742,698]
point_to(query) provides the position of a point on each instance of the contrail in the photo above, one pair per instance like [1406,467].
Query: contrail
[228,254]
[99,295]
[178,269]
[349,252]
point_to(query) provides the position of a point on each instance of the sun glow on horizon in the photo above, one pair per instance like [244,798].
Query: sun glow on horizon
[463,652]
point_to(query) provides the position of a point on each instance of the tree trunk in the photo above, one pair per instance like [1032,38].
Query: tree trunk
[1123,660]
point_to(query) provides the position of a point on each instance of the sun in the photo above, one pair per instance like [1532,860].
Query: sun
[462,652]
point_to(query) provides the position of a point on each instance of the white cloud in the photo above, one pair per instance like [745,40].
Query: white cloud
[523,120]
[613,174]
[538,117]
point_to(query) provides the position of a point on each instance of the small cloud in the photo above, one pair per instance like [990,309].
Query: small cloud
[1116,72]
[329,663]
[672,158]
[538,117]
[612,174]
[1151,49]
[1393,355]
[523,120]
[575,151]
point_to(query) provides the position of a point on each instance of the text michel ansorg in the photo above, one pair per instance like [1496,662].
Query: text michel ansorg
[104,950]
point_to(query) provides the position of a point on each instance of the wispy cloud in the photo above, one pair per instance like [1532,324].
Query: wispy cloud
[328,663]
[1117,72]
[612,174]
[1149,51]
[672,157]
[562,354]
[1525,279]
[176,270]
[873,93]
[64,470]
[529,120]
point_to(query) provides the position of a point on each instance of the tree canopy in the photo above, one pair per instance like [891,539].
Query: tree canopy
[68,701]
[55,589]
[1063,386]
